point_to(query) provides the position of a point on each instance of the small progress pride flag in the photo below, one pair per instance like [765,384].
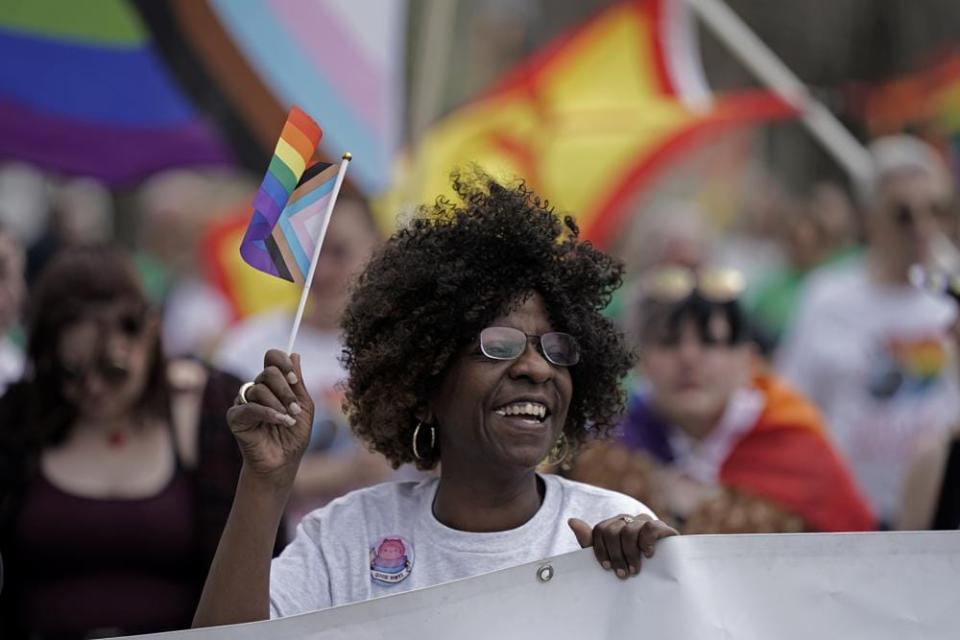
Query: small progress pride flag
[285,210]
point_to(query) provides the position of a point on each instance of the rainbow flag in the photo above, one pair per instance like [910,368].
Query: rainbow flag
[83,90]
[266,245]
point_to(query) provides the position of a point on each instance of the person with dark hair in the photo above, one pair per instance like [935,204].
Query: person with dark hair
[711,443]
[474,343]
[116,466]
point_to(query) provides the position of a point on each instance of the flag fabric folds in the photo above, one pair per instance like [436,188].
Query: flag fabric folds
[84,91]
[285,208]
[590,118]
[924,103]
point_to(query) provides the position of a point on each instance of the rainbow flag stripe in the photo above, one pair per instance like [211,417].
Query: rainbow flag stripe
[260,248]
[83,90]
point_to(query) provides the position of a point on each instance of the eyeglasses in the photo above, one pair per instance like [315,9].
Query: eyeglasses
[507,343]
[673,284]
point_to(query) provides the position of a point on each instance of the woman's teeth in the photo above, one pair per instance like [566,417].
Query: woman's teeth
[525,409]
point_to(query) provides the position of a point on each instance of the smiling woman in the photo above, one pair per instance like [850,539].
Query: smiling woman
[473,342]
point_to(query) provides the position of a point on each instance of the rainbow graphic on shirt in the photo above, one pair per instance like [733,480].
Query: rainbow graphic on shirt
[908,366]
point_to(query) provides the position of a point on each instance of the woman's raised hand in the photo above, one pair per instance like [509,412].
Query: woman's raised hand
[272,421]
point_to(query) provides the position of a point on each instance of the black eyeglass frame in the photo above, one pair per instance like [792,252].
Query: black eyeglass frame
[544,341]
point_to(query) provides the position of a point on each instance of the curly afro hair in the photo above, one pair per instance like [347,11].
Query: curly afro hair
[435,284]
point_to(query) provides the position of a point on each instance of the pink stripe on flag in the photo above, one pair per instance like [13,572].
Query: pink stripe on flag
[300,219]
[328,45]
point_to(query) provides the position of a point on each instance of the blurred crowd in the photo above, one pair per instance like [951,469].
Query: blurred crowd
[796,372]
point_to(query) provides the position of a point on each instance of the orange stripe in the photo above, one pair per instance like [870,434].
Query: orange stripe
[298,141]
[216,241]
[305,123]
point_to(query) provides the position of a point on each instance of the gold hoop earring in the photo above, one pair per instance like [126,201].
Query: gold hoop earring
[561,449]
[416,434]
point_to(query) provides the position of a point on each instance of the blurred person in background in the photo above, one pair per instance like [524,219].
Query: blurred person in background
[80,213]
[709,441]
[12,289]
[335,462]
[753,244]
[116,465]
[870,349]
[673,233]
[176,207]
[820,231]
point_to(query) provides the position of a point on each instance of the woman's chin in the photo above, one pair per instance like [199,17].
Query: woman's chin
[526,458]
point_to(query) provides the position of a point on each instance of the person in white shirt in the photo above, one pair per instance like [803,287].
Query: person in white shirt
[866,346]
[474,341]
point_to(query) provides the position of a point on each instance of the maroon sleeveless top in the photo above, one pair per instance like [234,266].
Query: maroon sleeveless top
[107,567]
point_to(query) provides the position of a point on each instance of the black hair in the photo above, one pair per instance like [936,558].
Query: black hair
[75,281]
[437,282]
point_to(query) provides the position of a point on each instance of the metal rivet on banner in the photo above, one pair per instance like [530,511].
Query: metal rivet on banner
[545,573]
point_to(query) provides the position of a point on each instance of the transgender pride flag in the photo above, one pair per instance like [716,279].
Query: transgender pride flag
[293,239]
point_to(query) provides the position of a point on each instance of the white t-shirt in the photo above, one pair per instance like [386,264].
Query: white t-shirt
[385,540]
[194,315]
[877,361]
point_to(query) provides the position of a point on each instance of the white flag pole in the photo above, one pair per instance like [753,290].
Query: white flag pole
[316,251]
[765,65]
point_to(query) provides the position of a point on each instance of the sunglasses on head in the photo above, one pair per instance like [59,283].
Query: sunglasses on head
[673,284]
[507,343]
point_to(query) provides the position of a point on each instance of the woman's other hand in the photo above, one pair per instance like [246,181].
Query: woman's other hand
[273,426]
[620,543]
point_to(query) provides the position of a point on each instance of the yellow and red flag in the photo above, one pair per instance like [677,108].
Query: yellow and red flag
[588,120]
[249,291]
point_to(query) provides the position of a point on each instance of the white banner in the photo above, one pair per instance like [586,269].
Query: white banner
[875,586]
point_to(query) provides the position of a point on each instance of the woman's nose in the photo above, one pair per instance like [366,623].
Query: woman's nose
[532,364]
